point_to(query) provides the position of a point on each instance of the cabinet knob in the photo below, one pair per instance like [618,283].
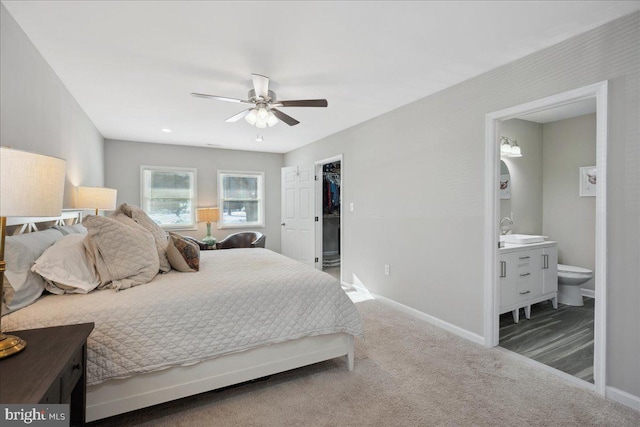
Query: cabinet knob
[76,366]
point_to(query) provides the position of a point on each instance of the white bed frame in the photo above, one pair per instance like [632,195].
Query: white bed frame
[118,396]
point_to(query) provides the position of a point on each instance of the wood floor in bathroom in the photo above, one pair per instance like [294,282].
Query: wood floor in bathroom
[561,338]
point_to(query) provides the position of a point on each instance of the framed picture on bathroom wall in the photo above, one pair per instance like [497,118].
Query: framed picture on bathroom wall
[588,181]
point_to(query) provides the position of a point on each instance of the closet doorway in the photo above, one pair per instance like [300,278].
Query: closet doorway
[329,216]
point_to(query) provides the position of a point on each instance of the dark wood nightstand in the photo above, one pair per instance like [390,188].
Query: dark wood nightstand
[51,369]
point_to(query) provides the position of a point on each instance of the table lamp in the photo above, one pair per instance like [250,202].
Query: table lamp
[30,185]
[97,198]
[208,215]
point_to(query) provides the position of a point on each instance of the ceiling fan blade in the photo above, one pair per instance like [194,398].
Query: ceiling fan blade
[238,116]
[303,103]
[284,117]
[260,85]
[221,98]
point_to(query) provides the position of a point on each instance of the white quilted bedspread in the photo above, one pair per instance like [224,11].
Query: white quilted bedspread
[240,299]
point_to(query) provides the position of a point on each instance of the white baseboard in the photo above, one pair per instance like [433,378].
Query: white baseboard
[627,399]
[430,319]
[589,293]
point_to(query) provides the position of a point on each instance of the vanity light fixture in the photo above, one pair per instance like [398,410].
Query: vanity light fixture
[509,147]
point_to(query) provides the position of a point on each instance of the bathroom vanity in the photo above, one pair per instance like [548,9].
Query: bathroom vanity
[528,275]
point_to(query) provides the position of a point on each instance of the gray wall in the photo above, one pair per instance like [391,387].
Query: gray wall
[122,171]
[567,218]
[37,112]
[416,177]
[526,175]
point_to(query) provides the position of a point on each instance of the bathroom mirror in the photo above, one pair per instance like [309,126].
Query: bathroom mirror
[505,181]
[505,190]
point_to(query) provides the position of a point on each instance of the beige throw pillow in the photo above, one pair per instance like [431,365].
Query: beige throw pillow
[124,256]
[160,236]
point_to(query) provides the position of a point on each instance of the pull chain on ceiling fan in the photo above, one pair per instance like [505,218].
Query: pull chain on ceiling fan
[264,112]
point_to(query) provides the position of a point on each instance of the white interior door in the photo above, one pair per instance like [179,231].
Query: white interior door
[298,236]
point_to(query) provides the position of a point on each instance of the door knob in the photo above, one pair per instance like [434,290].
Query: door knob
[282,224]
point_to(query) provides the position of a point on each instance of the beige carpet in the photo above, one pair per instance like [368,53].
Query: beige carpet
[408,373]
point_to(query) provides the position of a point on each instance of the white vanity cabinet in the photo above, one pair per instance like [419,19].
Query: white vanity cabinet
[528,275]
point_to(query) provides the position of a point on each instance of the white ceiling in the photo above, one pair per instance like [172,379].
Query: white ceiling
[132,65]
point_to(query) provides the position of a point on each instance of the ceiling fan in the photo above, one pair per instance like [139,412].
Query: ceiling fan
[264,112]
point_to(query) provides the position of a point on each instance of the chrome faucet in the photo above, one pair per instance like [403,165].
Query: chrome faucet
[507,228]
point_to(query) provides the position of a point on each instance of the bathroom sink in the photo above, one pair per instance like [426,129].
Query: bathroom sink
[521,239]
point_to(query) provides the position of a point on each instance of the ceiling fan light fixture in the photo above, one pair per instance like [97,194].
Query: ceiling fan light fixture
[272,120]
[252,117]
[263,114]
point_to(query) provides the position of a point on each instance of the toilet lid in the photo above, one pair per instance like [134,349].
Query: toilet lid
[573,269]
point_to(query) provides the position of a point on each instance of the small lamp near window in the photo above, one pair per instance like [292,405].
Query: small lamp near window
[30,185]
[97,198]
[208,215]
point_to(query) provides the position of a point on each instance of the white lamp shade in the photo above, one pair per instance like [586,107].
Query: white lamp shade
[252,117]
[505,147]
[97,198]
[272,120]
[208,214]
[30,184]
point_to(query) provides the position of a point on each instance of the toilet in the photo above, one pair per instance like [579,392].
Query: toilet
[569,280]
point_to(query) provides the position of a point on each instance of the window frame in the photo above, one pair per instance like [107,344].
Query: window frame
[194,199]
[260,199]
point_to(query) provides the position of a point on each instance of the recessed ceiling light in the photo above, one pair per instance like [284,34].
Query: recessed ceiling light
[165,130]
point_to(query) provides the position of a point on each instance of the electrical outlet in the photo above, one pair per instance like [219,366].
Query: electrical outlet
[386,270]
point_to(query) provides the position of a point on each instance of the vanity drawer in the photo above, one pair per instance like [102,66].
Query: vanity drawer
[72,373]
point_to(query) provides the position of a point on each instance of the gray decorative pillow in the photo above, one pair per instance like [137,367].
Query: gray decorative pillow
[124,256]
[71,229]
[160,236]
[183,254]
[22,286]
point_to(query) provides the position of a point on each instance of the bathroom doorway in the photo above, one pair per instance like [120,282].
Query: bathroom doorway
[329,216]
[497,124]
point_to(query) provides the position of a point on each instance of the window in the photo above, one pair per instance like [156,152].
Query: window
[168,195]
[241,199]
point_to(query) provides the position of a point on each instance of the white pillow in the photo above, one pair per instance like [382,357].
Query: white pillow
[21,286]
[67,267]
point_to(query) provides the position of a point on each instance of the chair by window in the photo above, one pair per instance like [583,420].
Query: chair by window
[243,239]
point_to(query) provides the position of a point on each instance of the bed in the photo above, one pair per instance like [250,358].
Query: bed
[246,314]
